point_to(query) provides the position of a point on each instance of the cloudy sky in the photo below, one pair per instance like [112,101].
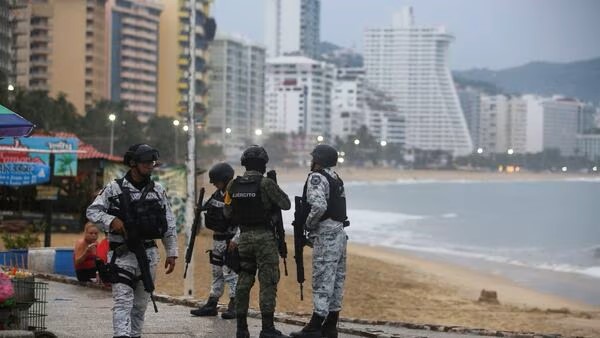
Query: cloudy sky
[489,33]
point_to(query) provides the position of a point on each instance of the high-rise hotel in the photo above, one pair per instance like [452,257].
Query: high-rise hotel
[410,63]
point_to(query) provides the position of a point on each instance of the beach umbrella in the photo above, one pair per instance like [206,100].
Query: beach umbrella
[12,124]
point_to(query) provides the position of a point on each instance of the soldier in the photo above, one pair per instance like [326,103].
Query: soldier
[225,235]
[157,221]
[249,201]
[324,193]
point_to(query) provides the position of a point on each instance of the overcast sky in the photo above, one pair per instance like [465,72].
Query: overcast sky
[489,33]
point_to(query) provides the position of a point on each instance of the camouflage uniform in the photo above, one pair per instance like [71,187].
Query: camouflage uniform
[258,251]
[129,304]
[329,247]
[222,274]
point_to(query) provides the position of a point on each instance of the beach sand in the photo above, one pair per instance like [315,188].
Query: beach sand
[353,174]
[385,284]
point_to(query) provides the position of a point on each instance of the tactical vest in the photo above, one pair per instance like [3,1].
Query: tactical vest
[336,205]
[215,219]
[148,216]
[246,202]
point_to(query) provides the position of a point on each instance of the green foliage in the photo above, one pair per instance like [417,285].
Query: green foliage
[22,240]
[127,129]
[46,112]
[276,147]
[368,150]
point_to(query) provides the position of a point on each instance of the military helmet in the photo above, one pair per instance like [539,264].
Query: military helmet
[220,172]
[256,152]
[140,152]
[325,155]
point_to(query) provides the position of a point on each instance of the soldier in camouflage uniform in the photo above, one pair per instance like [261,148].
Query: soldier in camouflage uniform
[130,298]
[225,235]
[324,192]
[248,201]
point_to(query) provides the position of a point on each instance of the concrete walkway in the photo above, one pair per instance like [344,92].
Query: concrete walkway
[81,311]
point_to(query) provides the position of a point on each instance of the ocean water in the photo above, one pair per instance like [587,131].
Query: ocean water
[544,235]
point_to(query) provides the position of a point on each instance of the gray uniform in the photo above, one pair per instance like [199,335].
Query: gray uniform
[329,247]
[129,304]
[222,275]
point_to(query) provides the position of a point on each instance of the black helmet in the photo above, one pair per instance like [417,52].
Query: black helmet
[325,155]
[220,172]
[140,152]
[256,152]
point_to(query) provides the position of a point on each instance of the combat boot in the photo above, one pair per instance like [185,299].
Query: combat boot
[242,326]
[312,329]
[208,309]
[330,325]
[230,312]
[268,328]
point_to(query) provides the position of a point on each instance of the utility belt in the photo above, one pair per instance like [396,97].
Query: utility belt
[255,227]
[222,237]
[147,245]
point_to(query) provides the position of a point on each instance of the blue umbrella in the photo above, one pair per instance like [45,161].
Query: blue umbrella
[12,124]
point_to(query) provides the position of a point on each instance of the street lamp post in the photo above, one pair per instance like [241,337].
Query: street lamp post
[176,124]
[112,118]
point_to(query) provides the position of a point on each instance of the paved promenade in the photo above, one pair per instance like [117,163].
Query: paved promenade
[81,311]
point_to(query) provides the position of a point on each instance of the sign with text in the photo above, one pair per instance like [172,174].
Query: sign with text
[24,173]
[23,149]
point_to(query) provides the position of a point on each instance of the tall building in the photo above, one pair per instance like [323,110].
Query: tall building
[5,68]
[347,106]
[470,102]
[133,55]
[588,146]
[292,27]
[586,120]
[236,93]
[174,58]
[384,120]
[411,64]
[298,96]
[503,124]
[535,123]
[560,124]
[59,46]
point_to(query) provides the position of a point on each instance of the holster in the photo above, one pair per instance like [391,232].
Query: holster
[232,260]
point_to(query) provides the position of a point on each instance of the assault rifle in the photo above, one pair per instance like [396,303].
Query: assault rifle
[197,223]
[277,223]
[301,209]
[134,241]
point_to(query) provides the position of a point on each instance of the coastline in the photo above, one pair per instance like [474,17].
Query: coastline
[378,174]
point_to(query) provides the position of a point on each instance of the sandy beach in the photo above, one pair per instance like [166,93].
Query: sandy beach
[353,174]
[384,284]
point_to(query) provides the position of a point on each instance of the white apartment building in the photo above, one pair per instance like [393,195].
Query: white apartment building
[535,124]
[347,107]
[236,92]
[292,27]
[503,124]
[410,63]
[298,96]
[383,118]
[588,146]
[560,124]
[470,102]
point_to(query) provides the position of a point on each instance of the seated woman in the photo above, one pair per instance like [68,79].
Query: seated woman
[84,254]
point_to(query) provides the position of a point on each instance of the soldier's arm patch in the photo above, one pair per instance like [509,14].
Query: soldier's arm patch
[315,180]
